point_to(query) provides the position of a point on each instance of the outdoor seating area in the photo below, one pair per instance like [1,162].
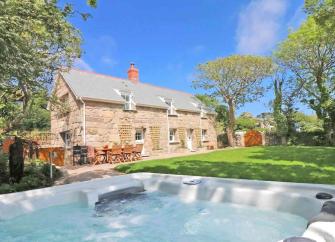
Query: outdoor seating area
[117,154]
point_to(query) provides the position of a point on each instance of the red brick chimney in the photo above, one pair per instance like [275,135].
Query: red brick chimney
[133,75]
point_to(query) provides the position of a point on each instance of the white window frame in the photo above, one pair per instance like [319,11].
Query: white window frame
[172,135]
[204,135]
[172,109]
[129,101]
[139,131]
[203,112]
[67,138]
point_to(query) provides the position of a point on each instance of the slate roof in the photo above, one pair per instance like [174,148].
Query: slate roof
[89,85]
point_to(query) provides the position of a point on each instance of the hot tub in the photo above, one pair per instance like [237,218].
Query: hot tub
[158,207]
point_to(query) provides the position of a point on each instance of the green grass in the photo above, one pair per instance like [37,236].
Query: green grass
[274,163]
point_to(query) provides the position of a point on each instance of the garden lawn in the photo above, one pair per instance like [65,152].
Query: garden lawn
[273,163]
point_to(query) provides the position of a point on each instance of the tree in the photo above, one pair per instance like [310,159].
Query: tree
[308,123]
[215,105]
[287,93]
[323,11]
[38,117]
[309,54]
[246,122]
[35,39]
[235,80]
[16,160]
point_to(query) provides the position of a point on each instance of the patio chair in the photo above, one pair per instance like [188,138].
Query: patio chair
[115,155]
[99,157]
[137,152]
[128,153]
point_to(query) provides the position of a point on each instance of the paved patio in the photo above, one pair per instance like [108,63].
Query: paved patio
[88,172]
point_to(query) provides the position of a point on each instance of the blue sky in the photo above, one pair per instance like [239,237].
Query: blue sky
[167,39]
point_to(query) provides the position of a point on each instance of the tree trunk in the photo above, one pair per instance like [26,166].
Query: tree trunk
[16,160]
[231,123]
[329,128]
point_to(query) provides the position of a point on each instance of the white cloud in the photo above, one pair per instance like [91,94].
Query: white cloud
[83,65]
[106,47]
[259,26]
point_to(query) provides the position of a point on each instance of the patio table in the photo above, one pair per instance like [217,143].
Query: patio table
[107,152]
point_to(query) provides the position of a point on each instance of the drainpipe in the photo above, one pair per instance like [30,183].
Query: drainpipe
[168,129]
[200,131]
[84,120]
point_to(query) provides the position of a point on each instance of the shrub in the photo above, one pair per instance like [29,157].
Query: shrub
[3,168]
[316,138]
[45,169]
[30,182]
[7,188]
[36,175]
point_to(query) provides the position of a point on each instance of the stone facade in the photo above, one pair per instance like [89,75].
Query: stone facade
[108,123]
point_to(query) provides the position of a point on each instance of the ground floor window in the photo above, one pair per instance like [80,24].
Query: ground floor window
[172,135]
[204,135]
[66,136]
[139,136]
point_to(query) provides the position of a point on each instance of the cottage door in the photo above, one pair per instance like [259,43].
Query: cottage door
[189,139]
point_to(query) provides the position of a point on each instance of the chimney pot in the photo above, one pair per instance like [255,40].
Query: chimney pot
[133,74]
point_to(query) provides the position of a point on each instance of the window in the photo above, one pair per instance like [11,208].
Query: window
[63,106]
[64,98]
[129,102]
[139,136]
[202,112]
[172,135]
[172,109]
[66,136]
[204,135]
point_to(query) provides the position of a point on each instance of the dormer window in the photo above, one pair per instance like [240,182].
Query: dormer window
[129,101]
[203,112]
[172,110]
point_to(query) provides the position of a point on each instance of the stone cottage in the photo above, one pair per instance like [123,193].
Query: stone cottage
[97,110]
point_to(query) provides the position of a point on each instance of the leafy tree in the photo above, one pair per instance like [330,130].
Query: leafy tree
[38,117]
[323,11]
[246,122]
[287,93]
[218,107]
[235,80]
[309,54]
[308,123]
[266,121]
[35,39]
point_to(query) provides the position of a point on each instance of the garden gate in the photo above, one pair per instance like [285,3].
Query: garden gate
[252,138]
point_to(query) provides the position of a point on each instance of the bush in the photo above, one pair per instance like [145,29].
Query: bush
[316,138]
[31,182]
[7,188]
[3,168]
[36,175]
[245,123]
[45,169]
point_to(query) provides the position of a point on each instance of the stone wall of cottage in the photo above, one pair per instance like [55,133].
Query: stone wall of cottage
[189,120]
[108,123]
[67,122]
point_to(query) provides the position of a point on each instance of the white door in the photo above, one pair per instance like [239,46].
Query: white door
[189,139]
